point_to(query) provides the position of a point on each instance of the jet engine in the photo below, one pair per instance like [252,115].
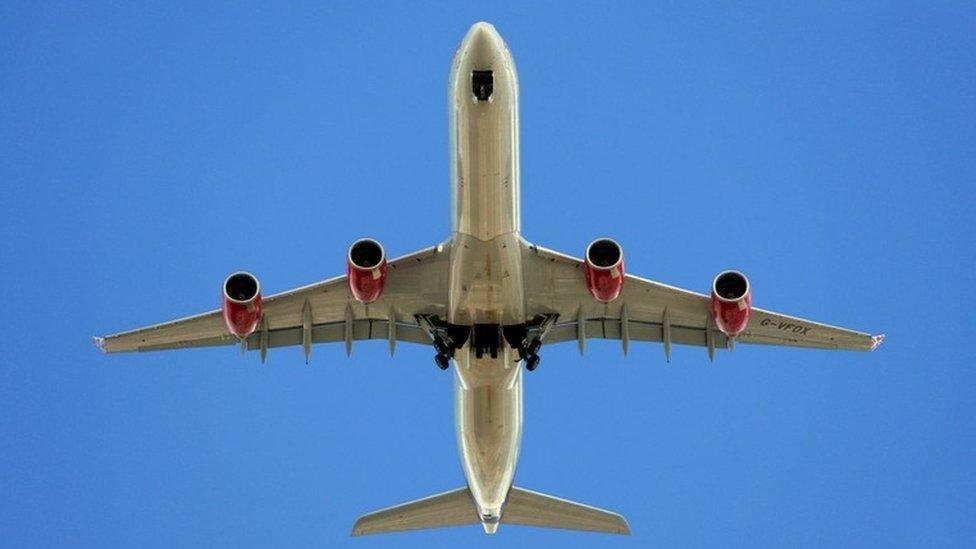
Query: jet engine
[366,267]
[242,303]
[604,269]
[731,302]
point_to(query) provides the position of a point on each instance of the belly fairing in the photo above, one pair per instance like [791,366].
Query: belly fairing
[486,281]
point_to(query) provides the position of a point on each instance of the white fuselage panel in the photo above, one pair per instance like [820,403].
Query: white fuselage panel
[486,272]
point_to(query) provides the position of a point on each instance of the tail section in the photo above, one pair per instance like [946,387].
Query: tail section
[523,507]
[529,508]
[454,508]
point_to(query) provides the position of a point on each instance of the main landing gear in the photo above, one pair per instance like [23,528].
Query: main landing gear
[530,354]
[445,346]
[487,339]
[527,341]
[446,338]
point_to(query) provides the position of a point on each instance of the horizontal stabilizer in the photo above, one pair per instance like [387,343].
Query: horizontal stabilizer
[523,507]
[454,508]
[528,508]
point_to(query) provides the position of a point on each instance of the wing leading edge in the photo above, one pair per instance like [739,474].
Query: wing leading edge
[651,311]
[646,311]
[326,310]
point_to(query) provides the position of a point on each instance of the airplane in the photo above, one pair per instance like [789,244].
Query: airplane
[487,301]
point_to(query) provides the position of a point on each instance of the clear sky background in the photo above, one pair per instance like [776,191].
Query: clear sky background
[147,151]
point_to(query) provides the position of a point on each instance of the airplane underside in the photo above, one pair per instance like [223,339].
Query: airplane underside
[487,301]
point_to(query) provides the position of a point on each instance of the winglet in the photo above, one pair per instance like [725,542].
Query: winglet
[876,341]
[100,343]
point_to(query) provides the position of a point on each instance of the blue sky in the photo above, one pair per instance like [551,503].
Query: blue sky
[149,150]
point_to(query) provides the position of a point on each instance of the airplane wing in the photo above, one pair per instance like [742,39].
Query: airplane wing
[321,312]
[651,311]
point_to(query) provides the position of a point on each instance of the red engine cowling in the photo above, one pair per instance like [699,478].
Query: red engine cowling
[366,267]
[731,302]
[604,268]
[242,303]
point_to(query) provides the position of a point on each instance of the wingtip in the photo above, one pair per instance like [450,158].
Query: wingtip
[624,526]
[876,341]
[100,343]
[360,528]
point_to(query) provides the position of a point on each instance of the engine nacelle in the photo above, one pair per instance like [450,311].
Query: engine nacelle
[731,302]
[366,270]
[604,268]
[242,303]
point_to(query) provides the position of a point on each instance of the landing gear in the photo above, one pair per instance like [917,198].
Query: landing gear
[527,338]
[442,348]
[444,354]
[446,338]
[487,340]
[530,354]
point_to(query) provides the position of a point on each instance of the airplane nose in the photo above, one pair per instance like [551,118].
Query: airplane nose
[483,40]
[482,31]
[484,65]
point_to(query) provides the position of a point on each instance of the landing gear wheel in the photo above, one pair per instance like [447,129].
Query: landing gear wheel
[533,348]
[442,348]
[443,361]
[532,363]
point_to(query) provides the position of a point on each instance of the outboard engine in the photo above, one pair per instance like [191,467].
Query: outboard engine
[242,303]
[604,269]
[366,270]
[731,302]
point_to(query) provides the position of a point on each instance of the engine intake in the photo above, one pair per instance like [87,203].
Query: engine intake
[366,270]
[731,302]
[604,269]
[242,303]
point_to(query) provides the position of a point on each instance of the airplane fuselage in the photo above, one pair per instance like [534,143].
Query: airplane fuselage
[486,270]
[485,301]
